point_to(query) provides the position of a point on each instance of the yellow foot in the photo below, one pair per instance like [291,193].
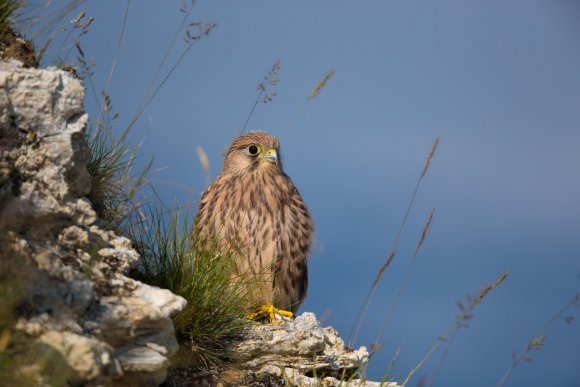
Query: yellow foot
[269,310]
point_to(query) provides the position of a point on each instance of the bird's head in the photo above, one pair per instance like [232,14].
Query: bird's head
[254,151]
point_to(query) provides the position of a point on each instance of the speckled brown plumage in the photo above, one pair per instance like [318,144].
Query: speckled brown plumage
[254,209]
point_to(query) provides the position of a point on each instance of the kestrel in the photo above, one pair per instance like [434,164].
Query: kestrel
[253,209]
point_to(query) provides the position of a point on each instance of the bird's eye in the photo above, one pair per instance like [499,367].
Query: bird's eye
[253,149]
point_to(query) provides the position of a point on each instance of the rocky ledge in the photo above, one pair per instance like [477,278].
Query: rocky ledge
[300,352]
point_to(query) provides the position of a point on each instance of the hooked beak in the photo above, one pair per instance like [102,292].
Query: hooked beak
[272,156]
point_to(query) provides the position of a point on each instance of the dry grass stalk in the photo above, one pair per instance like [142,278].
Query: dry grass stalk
[537,342]
[430,157]
[360,318]
[203,160]
[485,291]
[406,277]
[425,231]
[384,267]
[464,315]
[387,376]
[271,79]
[115,59]
[364,309]
[194,31]
[43,49]
[314,93]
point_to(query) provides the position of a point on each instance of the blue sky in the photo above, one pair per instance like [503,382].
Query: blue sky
[497,81]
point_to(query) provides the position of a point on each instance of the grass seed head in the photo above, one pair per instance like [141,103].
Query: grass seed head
[314,93]
[430,156]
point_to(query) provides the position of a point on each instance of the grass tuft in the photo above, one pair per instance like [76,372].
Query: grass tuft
[8,13]
[14,44]
[113,184]
[216,302]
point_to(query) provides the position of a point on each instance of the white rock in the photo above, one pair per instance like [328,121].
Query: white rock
[168,303]
[136,358]
[301,348]
[107,328]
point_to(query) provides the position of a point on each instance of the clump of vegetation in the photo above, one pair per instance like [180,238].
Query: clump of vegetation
[8,9]
[14,45]
[113,185]
[213,317]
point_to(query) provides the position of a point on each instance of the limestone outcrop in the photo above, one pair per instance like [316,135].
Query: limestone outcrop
[300,352]
[106,328]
